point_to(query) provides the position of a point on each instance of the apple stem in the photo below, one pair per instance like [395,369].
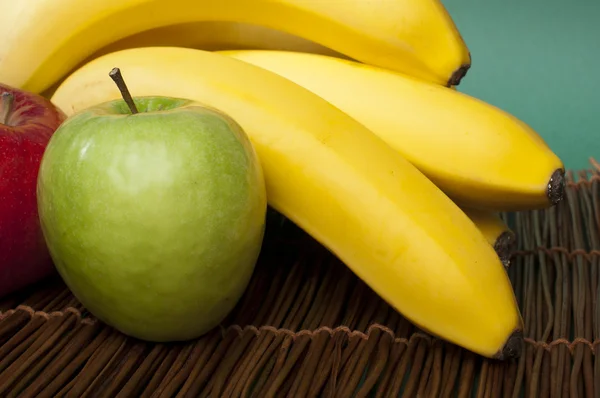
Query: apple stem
[117,77]
[7,104]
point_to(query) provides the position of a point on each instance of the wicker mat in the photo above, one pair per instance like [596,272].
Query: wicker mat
[308,327]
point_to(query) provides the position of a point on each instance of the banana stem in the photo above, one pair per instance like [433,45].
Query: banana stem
[117,77]
[7,104]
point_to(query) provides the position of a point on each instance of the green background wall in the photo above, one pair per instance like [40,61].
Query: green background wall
[539,60]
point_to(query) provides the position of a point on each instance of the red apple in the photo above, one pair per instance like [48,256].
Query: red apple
[27,121]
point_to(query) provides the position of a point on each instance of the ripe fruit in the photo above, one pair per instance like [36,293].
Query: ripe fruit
[27,121]
[480,156]
[154,219]
[342,185]
[42,43]
[497,233]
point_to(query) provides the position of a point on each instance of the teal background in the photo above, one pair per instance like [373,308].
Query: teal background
[540,61]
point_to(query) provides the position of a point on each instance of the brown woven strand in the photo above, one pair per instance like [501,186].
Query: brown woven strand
[307,327]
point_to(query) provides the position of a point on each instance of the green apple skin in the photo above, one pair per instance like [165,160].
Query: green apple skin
[154,220]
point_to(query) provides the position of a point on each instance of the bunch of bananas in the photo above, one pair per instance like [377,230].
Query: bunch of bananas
[352,108]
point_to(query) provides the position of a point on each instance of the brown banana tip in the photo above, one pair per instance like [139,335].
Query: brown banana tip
[459,74]
[513,347]
[505,246]
[556,187]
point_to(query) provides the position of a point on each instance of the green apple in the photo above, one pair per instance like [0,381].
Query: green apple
[154,219]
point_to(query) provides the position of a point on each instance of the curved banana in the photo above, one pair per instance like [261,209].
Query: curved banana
[42,42]
[497,233]
[342,185]
[211,36]
[476,153]
[217,36]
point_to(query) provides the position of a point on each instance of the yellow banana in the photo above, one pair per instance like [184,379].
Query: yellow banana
[42,42]
[212,36]
[477,154]
[218,35]
[497,233]
[342,185]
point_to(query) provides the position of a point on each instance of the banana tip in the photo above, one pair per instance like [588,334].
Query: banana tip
[459,74]
[513,347]
[556,187]
[504,246]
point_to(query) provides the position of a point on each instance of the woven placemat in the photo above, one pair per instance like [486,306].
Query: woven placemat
[308,327]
